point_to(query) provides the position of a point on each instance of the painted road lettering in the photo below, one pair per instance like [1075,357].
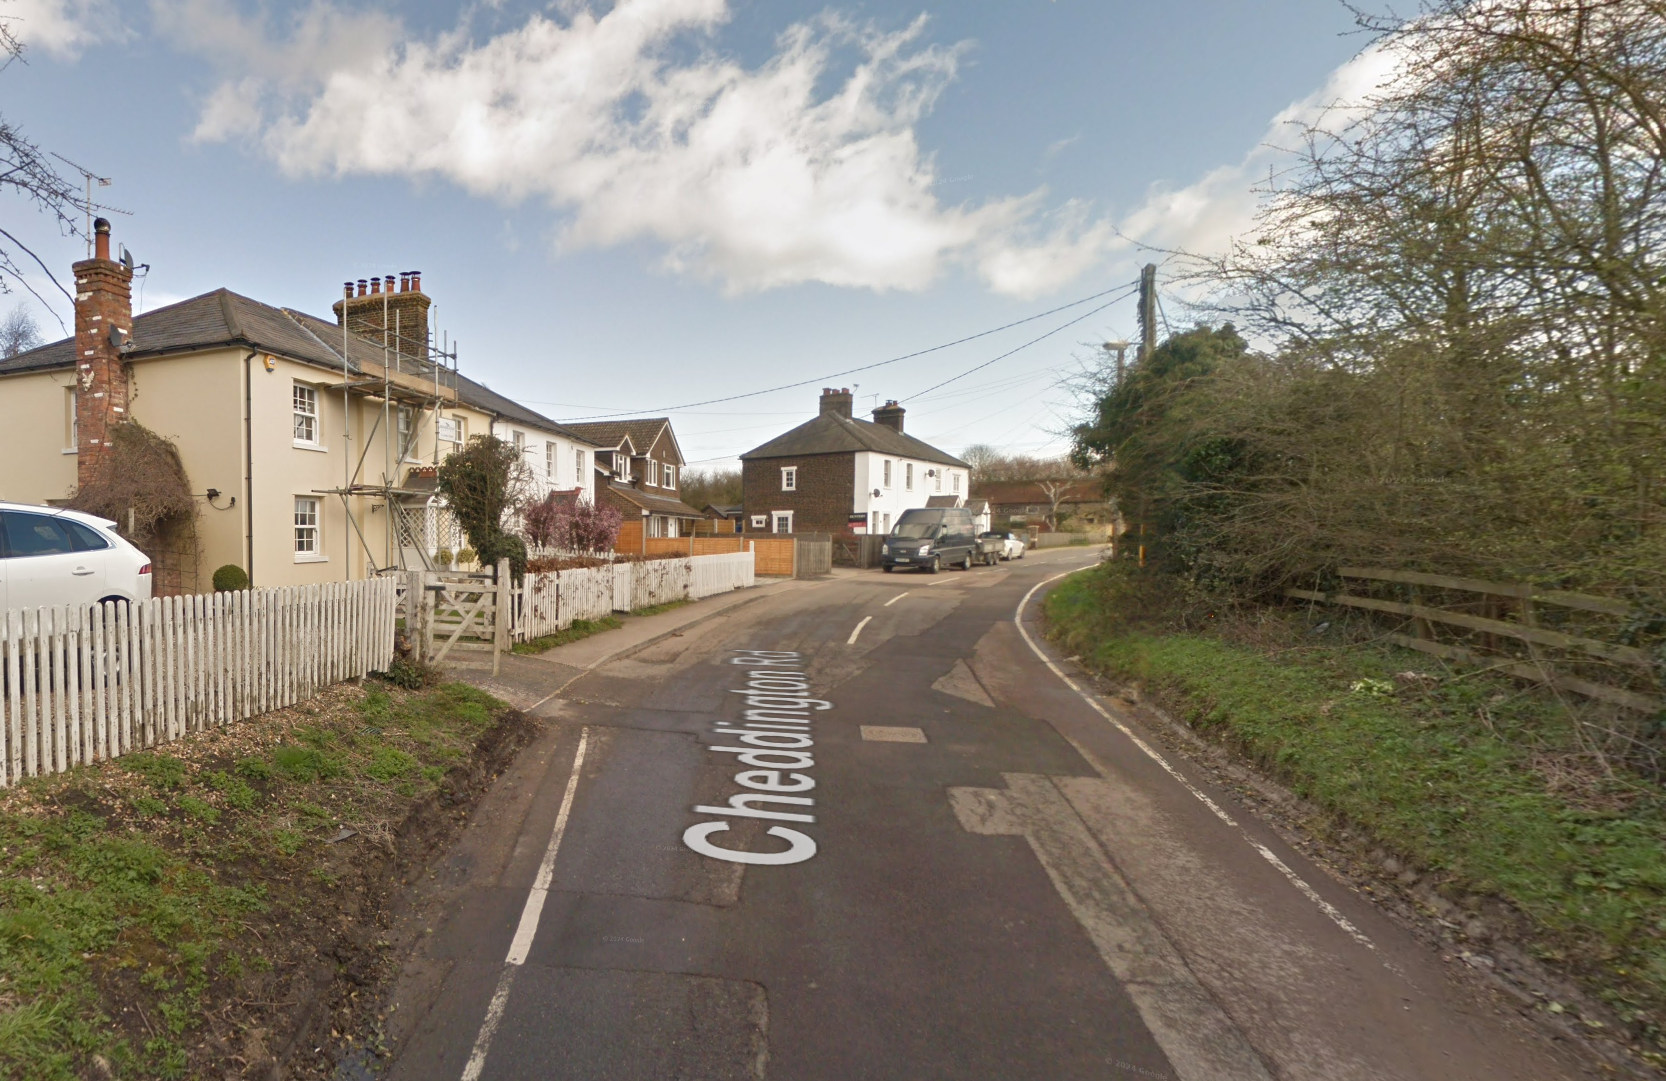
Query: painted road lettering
[775,743]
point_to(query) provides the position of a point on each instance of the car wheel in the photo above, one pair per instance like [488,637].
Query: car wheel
[889,568]
[966,561]
[935,565]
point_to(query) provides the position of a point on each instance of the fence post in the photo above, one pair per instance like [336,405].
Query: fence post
[505,611]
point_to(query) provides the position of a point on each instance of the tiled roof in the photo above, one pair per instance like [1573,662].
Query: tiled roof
[656,504]
[610,433]
[488,400]
[831,433]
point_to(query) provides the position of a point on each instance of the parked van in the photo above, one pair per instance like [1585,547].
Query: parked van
[931,539]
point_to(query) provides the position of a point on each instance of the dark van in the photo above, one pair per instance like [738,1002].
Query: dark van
[931,539]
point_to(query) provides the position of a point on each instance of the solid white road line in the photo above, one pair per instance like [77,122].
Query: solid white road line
[851,641]
[1266,853]
[534,907]
[895,599]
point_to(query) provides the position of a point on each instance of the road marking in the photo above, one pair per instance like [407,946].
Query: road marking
[895,599]
[939,582]
[1266,853]
[534,907]
[851,641]
[880,733]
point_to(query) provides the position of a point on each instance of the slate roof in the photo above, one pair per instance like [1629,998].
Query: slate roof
[932,502]
[656,504]
[488,400]
[831,433]
[219,318]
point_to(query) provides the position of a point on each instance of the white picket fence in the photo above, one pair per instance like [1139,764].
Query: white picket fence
[83,684]
[549,602]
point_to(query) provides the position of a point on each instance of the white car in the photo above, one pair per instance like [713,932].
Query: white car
[1012,545]
[51,557]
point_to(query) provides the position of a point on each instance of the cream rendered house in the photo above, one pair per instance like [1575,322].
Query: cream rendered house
[300,439]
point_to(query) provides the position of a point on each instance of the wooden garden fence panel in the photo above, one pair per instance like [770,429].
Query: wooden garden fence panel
[83,684]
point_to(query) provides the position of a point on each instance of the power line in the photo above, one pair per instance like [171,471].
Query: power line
[1026,345]
[883,363]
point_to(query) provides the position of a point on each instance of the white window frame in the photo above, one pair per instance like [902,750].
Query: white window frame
[578,467]
[668,474]
[72,421]
[937,480]
[956,476]
[887,472]
[517,439]
[760,521]
[653,472]
[303,404]
[908,476]
[789,478]
[552,458]
[313,531]
[656,526]
[775,517]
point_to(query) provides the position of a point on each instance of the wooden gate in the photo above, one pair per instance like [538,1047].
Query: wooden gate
[465,613]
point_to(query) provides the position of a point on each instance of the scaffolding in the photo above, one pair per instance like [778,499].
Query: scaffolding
[412,372]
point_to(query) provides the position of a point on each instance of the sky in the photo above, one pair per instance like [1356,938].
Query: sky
[638,208]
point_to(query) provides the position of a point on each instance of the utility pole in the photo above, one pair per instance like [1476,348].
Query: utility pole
[1121,350]
[1148,310]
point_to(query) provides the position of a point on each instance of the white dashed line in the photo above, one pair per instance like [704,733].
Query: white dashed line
[1265,853]
[851,641]
[895,599]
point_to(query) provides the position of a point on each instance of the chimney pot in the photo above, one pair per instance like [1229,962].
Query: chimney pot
[837,402]
[101,239]
[362,287]
[388,283]
[416,281]
[375,286]
[347,290]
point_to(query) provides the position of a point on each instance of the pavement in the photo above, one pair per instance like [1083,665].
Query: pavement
[869,826]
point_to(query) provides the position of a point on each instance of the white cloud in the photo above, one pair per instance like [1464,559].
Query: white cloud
[798,170]
[61,28]
[1204,217]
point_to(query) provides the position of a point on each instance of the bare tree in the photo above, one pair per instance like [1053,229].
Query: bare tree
[25,171]
[19,332]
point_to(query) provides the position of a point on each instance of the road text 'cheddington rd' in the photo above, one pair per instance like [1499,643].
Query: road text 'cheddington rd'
[775,740]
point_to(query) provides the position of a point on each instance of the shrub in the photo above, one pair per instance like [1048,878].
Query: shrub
[465,556]
[230,578]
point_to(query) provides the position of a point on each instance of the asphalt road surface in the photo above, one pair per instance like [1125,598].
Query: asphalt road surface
[865,828]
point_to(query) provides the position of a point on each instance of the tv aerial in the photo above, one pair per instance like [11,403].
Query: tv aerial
[89,206]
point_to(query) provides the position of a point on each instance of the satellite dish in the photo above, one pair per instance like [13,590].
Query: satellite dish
[126,258]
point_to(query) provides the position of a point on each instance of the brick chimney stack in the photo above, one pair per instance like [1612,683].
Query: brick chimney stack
[406,308]
[103,324]
[890,415]
[836,401]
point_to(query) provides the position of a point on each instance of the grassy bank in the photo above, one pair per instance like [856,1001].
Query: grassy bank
[1478,783]
[164,915]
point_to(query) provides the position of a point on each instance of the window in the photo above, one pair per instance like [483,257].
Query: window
[653,472]
[83,538]
[72,430]
[908,476]
[956,477]
[937,479]
[783,521]
[306,415]
[549,462]
[670,476]
[407,433]
[759,521]
[887,472]
[308,546]
[35,535]
[656,526]
[578,468]
[519,440]
[789,480]
[452,429]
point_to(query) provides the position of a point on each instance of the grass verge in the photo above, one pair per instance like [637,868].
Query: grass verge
[579,630]
[185,912]
[1475,781]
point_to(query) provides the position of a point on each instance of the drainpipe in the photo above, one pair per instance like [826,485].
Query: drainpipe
[248,473]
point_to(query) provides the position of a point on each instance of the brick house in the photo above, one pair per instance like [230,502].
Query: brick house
[638,465]
[1033,501]
[836,474]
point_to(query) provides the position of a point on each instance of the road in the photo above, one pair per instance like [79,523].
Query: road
[972,869]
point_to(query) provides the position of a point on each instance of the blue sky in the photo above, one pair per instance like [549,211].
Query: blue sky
[624,208]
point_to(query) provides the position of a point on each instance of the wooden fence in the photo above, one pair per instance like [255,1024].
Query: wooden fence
[1547,636]
[84,684]
[694,546]
[792,555]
